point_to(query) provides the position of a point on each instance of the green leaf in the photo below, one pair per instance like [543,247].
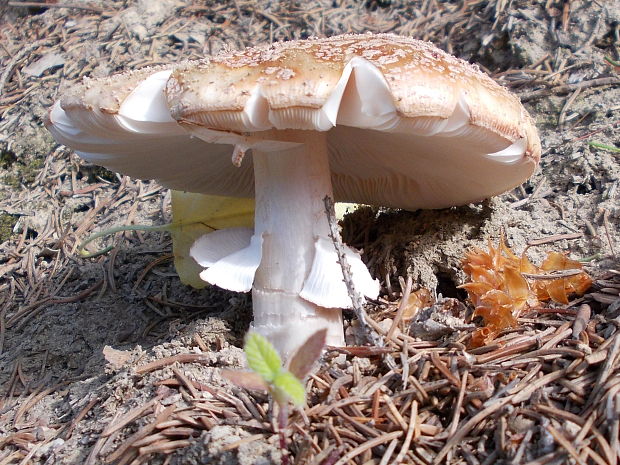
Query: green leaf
[196,214]
[609,148]
[286,386]
[262,357]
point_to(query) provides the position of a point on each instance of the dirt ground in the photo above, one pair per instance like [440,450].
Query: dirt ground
[65,402]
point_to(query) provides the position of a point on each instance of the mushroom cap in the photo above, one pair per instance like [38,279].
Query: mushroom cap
[408,125]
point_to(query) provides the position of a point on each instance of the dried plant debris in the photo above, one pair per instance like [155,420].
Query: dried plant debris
[537,395]
[504,285]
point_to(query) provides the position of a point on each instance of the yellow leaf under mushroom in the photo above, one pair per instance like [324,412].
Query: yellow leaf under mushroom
[196,214]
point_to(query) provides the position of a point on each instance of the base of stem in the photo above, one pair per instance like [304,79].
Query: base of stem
[287,320]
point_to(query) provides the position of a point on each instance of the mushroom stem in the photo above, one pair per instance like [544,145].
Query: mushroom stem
[290,185]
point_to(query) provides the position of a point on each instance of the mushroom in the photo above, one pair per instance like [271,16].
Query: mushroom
[372,119]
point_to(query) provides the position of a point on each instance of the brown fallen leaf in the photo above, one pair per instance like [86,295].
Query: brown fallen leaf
[503,285]
[116,358]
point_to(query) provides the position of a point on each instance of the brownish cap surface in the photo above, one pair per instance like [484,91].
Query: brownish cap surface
[424,82]
[406,124]
[106,94]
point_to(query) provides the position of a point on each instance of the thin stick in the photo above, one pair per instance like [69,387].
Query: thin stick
[607,233]
[356,298]
[458,405]
[605,370]
[162,362]
[57,5]
[117,229]
[566,444]
[80,416]
[234,445]
[566,88]
[407,442]
[368,445]
[141,434]
[467,427]
[164,447]
[387,455]
[18,56]
[554,238]
[128,418]
[559,274]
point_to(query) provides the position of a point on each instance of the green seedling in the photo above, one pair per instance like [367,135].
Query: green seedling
[612,62]
[108,232]
[609,148]
[283,382]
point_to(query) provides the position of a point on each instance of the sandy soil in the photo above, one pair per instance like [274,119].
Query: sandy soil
[63,401]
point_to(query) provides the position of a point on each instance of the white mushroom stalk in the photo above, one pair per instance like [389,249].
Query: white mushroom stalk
[291,220]
[371,119]
[289,261]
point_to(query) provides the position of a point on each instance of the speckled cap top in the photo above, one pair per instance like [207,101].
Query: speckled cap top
[407,125]
[424,82]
